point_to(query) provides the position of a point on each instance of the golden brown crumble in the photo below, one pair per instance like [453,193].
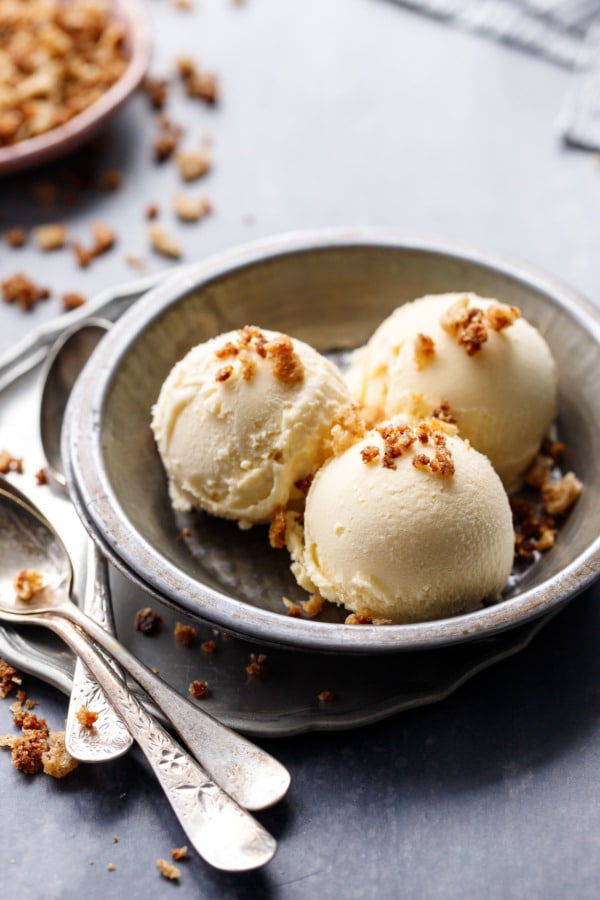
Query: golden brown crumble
[20,289]
[156,90]
[111,867]
[443,412]
[56,761]
[224,373]
[303,484]
[152,211]
[469,326]
[325,696]
[348,427]
[73,300]
[15,237]
[178,853]
[361,617]
[167,869]
[50,237]
[287,365]
[37,747]
[167,141]
[162,242]
[87,718]
[9,678]
[199,689]
[191,209]
[257,664]
[277,528]
[193,164]
[396,440]
[185,634]
[208,646]
[199,84]
[10,463]
[370,454]
[292,608]
[559,496]
[60,57]
[533,530]
[424,350]
[41,476]
[313,606]
[147,621]
[28,583]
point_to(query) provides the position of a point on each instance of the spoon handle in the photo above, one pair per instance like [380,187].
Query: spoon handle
[223,833]
[110,738]
[251,776]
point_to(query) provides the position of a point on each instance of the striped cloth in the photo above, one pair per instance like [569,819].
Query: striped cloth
[566,32]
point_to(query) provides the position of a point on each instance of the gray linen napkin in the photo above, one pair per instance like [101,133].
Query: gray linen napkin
[566,32]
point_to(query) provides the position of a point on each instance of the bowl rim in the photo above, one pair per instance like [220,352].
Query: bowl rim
[95,498]
[43,148]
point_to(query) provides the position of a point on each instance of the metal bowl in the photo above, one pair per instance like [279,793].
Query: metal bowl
[58,141]
[330,288]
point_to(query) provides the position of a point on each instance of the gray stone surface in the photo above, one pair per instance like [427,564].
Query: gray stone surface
[339,113]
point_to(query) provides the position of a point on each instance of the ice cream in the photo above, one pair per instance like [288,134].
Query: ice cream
[242,418]
[411,523]
[478,360]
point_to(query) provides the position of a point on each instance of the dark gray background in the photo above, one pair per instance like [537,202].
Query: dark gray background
[348,112]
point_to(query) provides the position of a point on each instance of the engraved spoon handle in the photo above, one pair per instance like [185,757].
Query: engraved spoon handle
[223,833]
[254,778]
[110,738]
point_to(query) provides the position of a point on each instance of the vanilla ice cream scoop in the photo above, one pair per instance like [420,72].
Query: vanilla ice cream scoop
[409,524]
[491,370]
[242,418]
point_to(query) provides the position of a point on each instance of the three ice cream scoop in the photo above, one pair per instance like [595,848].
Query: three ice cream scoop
[409,520]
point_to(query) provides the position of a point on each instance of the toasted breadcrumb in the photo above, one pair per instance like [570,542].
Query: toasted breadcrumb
[348,427]
[167,141]
[73,300]
[28,583]
[50,237]
[325,696]
[199,84]
[147,621]
[257,665]
[198,689]
[424,350]
[87,718]
[277,528]
[313,606]
[23,291]
[164,243]
[208,647]
[361,617]
[191,209]
[9,678]
[178,853]
[193,164]
[168,870]
[156,90]
[41,476]
[287,365]
[292,608]
[15,237]
[10,463]
[56,762]
[558,496]
[185,634]
[501,316]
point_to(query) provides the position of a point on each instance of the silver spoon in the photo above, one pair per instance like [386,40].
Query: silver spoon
[252,777]
[62,367]
[223,833]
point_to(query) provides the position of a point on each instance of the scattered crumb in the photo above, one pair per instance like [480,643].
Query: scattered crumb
[152,211]
[41,476]
[185,634]
[193,164]
[558,496]
[50,237]
[9,678]
[115,840]
[10,463]
[257,665]
[147,621]
[208,646]
[277,528]
[23,291]
[168,870]
[292,608]
[110,179]
[424,350]
[86,717]
[15,237]
[191,209]
[157,91]
[199,84]
[56,761]
[111,867]
[178,853]
[325,696]
[198,689]
[28,583]
[164,243]
[313,606]
[72,300]
[362,617]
